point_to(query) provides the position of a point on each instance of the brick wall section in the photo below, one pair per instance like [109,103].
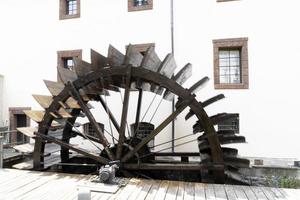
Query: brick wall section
[241,43]
[13,111]
[132,8]
[63,10]
[142,47]
[67,54]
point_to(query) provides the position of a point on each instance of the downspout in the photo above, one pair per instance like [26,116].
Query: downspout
[172,48]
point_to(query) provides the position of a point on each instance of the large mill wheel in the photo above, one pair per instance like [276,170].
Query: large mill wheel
[132,72]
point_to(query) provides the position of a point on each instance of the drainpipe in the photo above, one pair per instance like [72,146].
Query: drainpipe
[172,47]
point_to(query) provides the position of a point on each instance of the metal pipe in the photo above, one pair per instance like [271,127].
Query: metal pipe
[172,47]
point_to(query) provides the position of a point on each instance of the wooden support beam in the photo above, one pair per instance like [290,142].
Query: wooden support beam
[138,109]
[111,116]
[172,166]
[91,155]
[92,120]
[124,113]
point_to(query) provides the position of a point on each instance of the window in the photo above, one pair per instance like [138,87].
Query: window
[68,63]
[230,124]
[230,68]
[69,9]
[138,5]
[140,2]
[17,118]
[65,59]
[231,63]
[89,130]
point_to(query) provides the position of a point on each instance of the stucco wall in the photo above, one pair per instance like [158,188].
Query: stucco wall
[31,34]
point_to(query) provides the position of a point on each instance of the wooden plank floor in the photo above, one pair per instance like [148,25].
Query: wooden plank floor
[30,185]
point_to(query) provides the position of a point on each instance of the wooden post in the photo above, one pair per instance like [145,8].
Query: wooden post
[1,151]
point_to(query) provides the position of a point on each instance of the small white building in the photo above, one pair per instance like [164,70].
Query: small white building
[249,49]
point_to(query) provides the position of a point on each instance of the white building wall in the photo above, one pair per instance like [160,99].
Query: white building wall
[2,123]
[31,34]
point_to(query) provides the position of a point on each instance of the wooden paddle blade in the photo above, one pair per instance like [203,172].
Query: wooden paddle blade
[70,103]
[225,150]
[223,117]
[199,85]
[81,67]
[35,115]
[28,131]
[133,57]
[62,113]
[206,103]
[54,87]
[184,74]
[213,100]
[151,61]
[168,66]
[24,148]
[215,119]
[115,57]
[66,75]
[181,77]
[44,100]
[98,61]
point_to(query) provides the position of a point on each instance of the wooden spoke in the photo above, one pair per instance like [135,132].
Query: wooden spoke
[168,120]
[138,109]
[124,114]
[78,150]
[111,116]
[92,138]
[92,120]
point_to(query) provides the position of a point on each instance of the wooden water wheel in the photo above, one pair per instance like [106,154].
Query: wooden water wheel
[133,72]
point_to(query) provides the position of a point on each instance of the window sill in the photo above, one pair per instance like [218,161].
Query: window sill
[232,86]
[63,17]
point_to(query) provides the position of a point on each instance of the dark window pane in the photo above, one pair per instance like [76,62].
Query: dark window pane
[71,7]
[140,2]
[68,63]
[230,66]
[230,124]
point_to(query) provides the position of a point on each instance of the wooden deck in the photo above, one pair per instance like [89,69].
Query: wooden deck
[20,184]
